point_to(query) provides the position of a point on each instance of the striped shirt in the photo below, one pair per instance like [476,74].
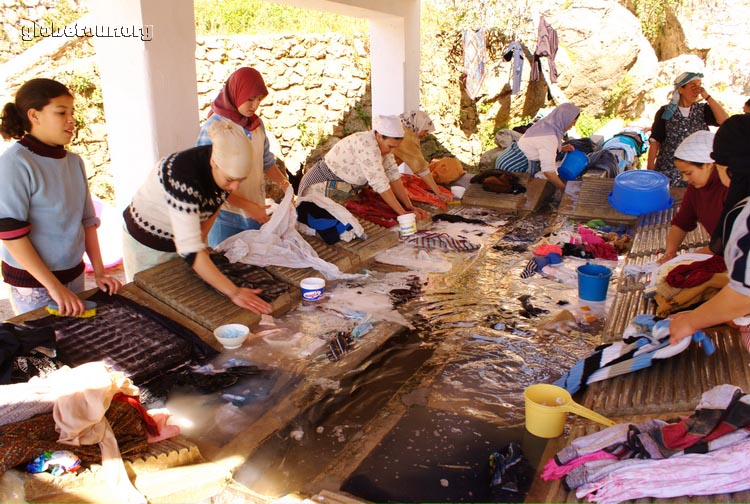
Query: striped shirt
[737,250]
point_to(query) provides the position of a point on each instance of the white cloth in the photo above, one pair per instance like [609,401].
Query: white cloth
[388,125]
[85,393]
[542,149]
[232,151]
[721,471]
[278,243]
[696,148]
[339,212]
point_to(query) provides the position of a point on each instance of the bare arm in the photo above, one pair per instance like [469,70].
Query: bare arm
[719,113]
[275,175]
[256,211]
[24,252]
[727,305]
[674,238]
[555,179]
[397,186]
[242,297]
[653,150]
[106,283]
[430,181]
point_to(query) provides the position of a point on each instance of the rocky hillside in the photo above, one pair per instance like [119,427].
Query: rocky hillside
[606,63]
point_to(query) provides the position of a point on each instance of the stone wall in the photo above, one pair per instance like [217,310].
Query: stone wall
[17,13]
[318,86]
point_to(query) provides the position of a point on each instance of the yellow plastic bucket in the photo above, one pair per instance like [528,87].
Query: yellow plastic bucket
[546,406]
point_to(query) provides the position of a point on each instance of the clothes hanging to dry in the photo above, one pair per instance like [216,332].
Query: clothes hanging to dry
[546,47]
[514,53]
[475,57]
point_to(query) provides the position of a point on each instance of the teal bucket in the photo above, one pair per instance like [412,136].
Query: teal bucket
[593,281]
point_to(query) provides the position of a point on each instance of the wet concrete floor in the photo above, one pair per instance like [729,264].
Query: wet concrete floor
[454,384]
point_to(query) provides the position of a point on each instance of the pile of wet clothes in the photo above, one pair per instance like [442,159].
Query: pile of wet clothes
[499,181]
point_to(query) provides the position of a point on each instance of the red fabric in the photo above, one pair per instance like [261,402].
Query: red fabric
[420,191]
[242,85]
[371,207]
[602,250]
[547,248]
[695,273]
[151,425]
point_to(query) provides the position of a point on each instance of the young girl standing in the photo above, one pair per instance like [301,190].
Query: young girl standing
[239,101]
[47,217]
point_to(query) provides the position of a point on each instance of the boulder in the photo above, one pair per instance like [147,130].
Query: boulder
[605,61]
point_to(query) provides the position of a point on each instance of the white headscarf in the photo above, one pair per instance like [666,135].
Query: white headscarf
[388,125]
[232,151]
[696,148]
[417,121]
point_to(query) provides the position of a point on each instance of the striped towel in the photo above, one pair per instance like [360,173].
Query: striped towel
[443,241]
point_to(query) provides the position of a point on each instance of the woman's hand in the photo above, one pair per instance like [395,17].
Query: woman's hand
[680,327]
[419,213]
[68,303]
[567,148]
[258,213]
[666,256]
[108,284]
[444,197]
[248,299]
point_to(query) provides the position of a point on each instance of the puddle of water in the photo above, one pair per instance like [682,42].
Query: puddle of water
[472,348]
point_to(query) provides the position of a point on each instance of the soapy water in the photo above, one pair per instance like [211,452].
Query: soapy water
[471,348]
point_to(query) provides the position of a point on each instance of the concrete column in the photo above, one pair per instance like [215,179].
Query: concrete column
[148,83]
[394,47]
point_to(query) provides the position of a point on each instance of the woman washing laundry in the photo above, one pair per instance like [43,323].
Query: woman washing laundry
[539,145]
[245,208]
[705,194]
[731,237]
[674,122]
[170,215]
[365,158]
[417,125]
[47,217]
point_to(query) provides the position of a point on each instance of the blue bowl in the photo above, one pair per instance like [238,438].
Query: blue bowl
[572,165]
[638,192]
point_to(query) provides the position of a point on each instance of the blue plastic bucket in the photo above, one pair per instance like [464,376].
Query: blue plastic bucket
[637,192]
[572,165]
[593,281]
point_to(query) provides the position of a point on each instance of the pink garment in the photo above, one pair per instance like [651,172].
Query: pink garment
[547,248]
[165,431]
[554,471]
[721,471]
[588,235]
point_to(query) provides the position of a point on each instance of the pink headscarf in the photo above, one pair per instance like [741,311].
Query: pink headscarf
[242,85]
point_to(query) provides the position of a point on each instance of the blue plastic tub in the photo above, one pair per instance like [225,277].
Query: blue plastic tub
[572,165]
[593,282]
[638,192]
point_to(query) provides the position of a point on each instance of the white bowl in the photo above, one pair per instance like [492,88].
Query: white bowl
[458,191]
[231,336]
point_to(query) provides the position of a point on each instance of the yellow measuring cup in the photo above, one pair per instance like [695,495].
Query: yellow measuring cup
[546,406]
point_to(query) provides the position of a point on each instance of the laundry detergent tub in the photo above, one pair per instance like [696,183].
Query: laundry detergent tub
[638,192]
[573,164]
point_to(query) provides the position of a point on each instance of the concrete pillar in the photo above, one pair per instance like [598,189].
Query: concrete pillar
[148,83]
[394,47]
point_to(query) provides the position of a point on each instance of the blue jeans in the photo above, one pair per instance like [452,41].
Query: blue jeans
[229,224]
[25,299]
